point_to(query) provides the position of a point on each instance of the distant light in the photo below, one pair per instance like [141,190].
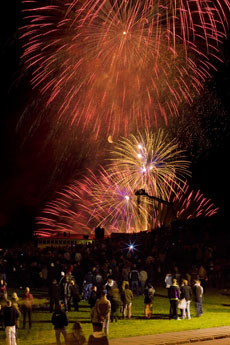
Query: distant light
[139,155]
[131,247]
[124,32]
[151,167]
[144,169]
[139,146]
[127,197]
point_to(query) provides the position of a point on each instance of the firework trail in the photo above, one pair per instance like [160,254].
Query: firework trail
[186,204]
[63,214]
[97,200]
[121,64]
[149,161]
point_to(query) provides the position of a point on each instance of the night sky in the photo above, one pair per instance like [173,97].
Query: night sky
[37,158]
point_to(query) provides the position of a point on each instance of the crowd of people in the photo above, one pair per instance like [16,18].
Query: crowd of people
[108,274]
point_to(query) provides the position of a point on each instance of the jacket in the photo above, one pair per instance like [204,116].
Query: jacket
[59,319]
[10,316]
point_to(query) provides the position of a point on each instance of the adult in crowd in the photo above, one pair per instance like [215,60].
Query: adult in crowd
[10,316]
[173,294]
[143,276]
[186,293]
[60,321]
[134,280]
[1,317]
[3,290]
[115,304]
[15,304]
[67,294]
[127,299]
[148,300]
[93,297]
[27,304]
[87,285]
[198,295]
[75,294]
[101,311]
[109,286]
[54,295]
[125,276]
[168,280]
[203,276]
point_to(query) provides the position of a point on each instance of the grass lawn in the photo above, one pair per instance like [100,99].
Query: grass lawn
[216,305]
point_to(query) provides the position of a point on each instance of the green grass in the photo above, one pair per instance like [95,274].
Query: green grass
[216,313]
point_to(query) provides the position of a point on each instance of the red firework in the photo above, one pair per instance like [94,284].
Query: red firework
[63,214]
[123,64]
[185,204]
[100,200]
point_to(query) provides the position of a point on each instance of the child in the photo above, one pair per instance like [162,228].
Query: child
[76,337]
[98,337]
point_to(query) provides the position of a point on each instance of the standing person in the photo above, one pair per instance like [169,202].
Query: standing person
[15,301]
[3,290]
[54,294]
[168,280]
[60,321]
[10,316]
[109,286]
[115,304]
[1,317]
[148,300]
[125,277]
[27,303]
[67,294]
[127,298]
[101,311]
[61,285]
[143,276]
[186,292]
[134,280]
[174,294]
[75,294]
[198,294]
[93,297]
[98,337]
[88,283]
[203,276]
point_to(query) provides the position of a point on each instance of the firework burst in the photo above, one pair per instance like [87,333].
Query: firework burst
[124,63]
[113,206]
[150,162]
